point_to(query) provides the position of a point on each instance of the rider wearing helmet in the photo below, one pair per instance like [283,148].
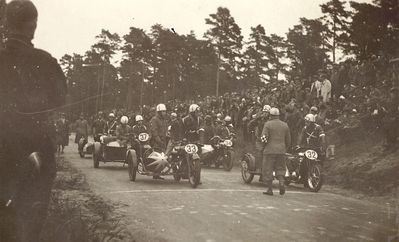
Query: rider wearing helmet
[123,131]
[111,124]
[312,135]
[139,127]
[175,131]
[99,126]
[158,128]
[257,124]
[192,124]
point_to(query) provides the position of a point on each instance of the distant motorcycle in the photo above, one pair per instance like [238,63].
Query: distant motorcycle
[305,167]
[85,147]
[183,163]
[218,153]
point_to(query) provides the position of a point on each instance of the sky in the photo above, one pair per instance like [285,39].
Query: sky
[70,26]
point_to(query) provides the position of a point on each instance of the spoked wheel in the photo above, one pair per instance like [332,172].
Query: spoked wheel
[227,161]
[176,175]
[194,171]
[96,155]
[246,175]
[131,168]
[315,178]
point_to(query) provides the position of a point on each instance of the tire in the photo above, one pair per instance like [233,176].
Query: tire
[176,176]
[131,168]
[315,178]
[194,171]
[96,155]
[228,162]
[246,175]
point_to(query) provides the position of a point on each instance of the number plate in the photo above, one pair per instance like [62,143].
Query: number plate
[228,143]
[311,154]
[191,148]
[143,137]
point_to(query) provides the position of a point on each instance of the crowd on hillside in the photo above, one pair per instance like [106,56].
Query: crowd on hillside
[343,97]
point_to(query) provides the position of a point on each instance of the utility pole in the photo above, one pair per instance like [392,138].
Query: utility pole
[142,88]
[102,88]
[218,75]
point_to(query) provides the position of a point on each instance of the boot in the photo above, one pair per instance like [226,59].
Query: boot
[269,189]
[281,186]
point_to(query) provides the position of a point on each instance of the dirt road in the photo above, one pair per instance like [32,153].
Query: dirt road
[223,208]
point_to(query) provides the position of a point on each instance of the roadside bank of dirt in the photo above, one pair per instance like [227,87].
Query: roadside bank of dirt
[76,214]
[363,165]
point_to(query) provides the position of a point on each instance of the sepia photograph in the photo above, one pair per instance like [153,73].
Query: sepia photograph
[199,120]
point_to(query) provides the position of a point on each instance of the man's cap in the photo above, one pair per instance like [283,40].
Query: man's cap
[19,12]
[274,112]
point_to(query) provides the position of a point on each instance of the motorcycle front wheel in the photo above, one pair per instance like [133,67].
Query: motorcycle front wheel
[132,169]
[227,161]
[315,178]
[176,175]
[194,170]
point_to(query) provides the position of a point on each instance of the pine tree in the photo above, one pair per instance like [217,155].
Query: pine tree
[225,36]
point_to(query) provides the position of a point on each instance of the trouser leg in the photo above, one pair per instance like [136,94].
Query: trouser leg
[259,146]
[169,147]
[279,167]
[267,169]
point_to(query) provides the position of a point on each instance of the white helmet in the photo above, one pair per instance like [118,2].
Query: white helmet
[139,118]
[124,120]
[266,108]
[227,119]
[274,112]
[193,108]
[111,115]
[310,117]
[161,107]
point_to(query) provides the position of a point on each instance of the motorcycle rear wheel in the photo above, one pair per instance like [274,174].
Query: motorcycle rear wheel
[315,178]
[246,175]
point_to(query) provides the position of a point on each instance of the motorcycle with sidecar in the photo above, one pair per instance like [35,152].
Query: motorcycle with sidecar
[109,149]
[304,166]
[182,163]
[218,153]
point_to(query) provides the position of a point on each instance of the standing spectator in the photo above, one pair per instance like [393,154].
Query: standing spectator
[31,81]
[325,90]
[99,126]
[276,135]
[82,128]
[315,89]
[62,133]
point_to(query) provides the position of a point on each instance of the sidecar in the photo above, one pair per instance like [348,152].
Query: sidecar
[251,168]
[85,147]
[109,150]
